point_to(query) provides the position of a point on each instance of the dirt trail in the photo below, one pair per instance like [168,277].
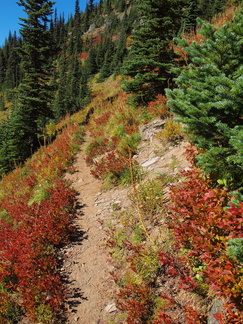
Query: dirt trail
[90,288]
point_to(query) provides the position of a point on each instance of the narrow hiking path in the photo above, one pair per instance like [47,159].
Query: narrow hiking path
[91,290]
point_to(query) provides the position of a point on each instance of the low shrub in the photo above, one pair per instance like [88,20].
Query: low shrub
[204,222]
[172,132]
[36,211]
[159,107]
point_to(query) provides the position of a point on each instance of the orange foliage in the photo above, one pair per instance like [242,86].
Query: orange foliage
[159,107]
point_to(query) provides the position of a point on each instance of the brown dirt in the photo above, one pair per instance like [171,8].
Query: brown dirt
[90,287]
[91,291]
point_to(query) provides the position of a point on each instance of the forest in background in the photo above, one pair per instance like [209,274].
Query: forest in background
[48,74]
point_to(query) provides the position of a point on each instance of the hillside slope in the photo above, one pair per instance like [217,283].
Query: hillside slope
[173,241]
[92,293]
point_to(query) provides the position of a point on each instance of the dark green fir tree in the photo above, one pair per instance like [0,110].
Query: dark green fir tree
[209,100]
[90,65]
[150,58]
[107,6]
[73,101]
[2,68]
[12,73]
[120,54]
[60,103]
[190,14]
[30,116]
[107,69]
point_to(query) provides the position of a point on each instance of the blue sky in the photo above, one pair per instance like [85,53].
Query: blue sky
[10,12]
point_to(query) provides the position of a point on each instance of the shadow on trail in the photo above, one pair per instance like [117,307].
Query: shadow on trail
[75,299]
[73,296]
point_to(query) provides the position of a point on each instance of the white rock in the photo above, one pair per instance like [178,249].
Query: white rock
[187,169]
[150,162]
[111,308]
[80,180]
[100,201]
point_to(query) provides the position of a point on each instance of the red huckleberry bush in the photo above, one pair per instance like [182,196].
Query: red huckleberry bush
[36,211]
[203,221]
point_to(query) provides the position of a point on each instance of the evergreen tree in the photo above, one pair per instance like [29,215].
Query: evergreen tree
[149,59]
[72,91]
[120,5]
[73,85]
[91,6]
[60,102]
[58,30]
[88,14]
[107,7]
[2,68]
[100,7]
[77,14]
[208,8]
[107,69]
[190,15]
[209,100]
[2,102]
[32,112]
[91,63]
[6,150]
[120,54]
[12,74]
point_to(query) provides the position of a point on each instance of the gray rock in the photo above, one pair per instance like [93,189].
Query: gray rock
[216,308]
[150,129]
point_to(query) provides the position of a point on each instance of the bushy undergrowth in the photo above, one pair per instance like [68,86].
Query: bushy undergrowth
[159,107]
[156,286]
[204,222]
[172,260]
[36,211]
[172,132]
[114,132]
[114,139]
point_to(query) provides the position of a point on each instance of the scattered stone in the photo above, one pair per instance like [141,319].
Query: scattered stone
[91,28]
[187,169]
[216,308]
[150,162]
[80,180]
[111,308]
[150,129]
[76,319]
[100,201]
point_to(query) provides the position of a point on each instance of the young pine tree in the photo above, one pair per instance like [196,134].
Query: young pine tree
[60,102]
[209,100]
[150,59]
[190,15]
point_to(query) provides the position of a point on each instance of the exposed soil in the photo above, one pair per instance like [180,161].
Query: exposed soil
[91,290]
